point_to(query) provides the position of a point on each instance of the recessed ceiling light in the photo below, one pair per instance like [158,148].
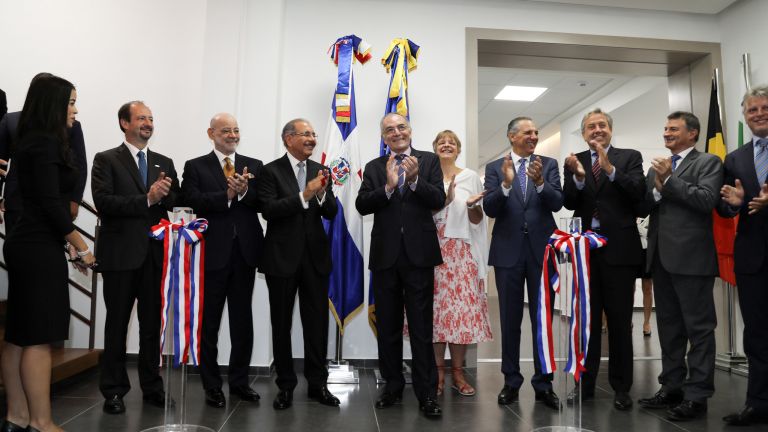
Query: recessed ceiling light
[520,93]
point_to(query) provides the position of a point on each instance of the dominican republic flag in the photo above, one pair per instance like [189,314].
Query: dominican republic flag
[342,156]
[399,59]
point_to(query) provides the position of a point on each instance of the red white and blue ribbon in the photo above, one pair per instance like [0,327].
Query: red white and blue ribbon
[577,247]
[343,53]
[182,286]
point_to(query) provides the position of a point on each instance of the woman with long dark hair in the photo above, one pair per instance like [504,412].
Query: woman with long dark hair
[38,295]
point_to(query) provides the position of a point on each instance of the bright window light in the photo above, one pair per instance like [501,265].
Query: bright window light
[520,93]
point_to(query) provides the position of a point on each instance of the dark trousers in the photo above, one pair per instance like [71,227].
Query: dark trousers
[612,290]
[312,289]
[408,287]
[121,290]
[753,301]
[510,282]
[233,284]
[685,312]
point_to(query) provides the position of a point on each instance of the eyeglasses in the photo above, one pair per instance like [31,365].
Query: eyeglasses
[400,128]
[305,134]
[228,131]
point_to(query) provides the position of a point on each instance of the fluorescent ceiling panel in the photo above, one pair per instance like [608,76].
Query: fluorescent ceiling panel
[520,93]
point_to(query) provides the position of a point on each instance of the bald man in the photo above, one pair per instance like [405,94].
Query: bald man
[220,187]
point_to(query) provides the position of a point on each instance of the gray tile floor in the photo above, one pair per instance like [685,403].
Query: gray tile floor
[77,405]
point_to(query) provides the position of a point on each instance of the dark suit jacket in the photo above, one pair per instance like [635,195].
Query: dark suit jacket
[513,214]
[205,190]
[292,230]
[681,222]
[751,241]
[407,215]
[8,126]
[3,104]
[121,199]
[616,202]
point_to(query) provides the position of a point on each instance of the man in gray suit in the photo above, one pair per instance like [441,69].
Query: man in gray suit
[683,190]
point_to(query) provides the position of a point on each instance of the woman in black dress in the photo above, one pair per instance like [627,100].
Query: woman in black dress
[38,295]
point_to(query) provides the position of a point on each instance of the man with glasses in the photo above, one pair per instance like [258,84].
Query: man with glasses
[295,194]
[402,190]
[221,187]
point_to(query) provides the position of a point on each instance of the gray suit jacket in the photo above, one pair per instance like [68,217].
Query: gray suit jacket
[681,222]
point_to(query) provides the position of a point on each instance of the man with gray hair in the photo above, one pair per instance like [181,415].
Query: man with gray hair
[522,192]
[745,193]
[607,199]
[220,187]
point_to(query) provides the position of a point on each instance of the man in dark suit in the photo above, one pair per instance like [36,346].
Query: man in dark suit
[11,201]
[522,191]
[401,191]
[606,199]
[221,187]
[745,193]
[3,104]
[683,190]
[295,195]
[133,188]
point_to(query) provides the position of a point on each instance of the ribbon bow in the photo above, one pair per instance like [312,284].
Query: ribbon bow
[182,286]
[577,247]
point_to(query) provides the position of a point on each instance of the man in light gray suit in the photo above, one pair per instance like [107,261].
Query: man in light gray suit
[683,190]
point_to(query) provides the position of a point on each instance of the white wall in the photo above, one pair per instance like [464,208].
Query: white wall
[267,62]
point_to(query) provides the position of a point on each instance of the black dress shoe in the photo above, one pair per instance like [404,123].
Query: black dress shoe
[12,427]
[323,396]
[114,405]
[387,399]
[244,393]
[747,416]
[157,399]
[430,407]
[507,395]
[579,394]
[687,410]
[662,399]
[215,397]
[549,398]
[283,400]
[622,401]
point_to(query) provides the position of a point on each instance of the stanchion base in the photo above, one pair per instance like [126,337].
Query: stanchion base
[406,375]
[179,428]
[342,374]
[742,369]
[728,361]
[561,429]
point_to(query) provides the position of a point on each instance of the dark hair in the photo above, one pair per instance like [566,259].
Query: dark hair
[45,108]
[124,113]
[512,126]
[691,121]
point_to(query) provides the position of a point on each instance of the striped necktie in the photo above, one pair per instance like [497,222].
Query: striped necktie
[400,171]
[761,160]
[675,160]
[596,167]
[522,176]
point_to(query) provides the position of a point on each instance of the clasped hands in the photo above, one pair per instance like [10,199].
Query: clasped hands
[237,184]
[734,196]
[316,186]
[574,165]
[80,262]
[533,171]
[450,194]
[411,171]
[159,189]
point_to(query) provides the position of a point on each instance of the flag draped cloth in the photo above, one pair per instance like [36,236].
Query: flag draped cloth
[576,247]
[724,228]
[181,286]
[342,155]
[398,60]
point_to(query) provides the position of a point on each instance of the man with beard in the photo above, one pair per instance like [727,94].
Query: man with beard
[522,192]
[133,188]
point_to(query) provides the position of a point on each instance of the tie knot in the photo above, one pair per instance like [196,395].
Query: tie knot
[300,165]
[762,143]
[675,158]
[140,155]
[399,157]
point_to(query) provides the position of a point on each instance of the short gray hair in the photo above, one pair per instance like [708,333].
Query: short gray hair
[392,114]
[596,111]
[290,127]
[756,92]
[512,126]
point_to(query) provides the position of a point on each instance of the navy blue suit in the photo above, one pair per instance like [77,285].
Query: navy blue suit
[520,234]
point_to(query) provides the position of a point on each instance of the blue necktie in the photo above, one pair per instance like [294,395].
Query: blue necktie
[142,167]
[523,177]
[675,159]
[400,170]
[761,160]
[301,177]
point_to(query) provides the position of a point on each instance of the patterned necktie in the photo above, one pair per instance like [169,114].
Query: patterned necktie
[229,169]
[301,177]
[675,159]
[400,171]
[761,160]
[142,167]
[522,176]
[596,167]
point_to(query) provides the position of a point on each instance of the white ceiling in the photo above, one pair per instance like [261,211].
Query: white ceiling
[693,6]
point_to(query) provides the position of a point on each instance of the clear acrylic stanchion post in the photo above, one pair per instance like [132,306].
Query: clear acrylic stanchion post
[176,377]
[569,417]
